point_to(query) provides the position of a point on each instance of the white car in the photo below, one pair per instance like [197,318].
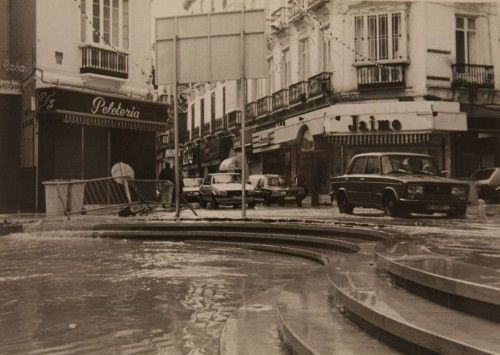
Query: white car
[488,183]
[225,189]
[191,189]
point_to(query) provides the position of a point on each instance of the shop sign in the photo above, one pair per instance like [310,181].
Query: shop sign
[262,139]
[187,156]
[50,99]
[170,153]
[9,67]
[374,125]
[216,149]
[10,85]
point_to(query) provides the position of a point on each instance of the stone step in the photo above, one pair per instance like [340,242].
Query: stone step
[413,261]
[370,298]
[310,325]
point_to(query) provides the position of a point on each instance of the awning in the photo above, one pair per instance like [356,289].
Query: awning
[111,122]
[267,148]
[380,139]
[231,164]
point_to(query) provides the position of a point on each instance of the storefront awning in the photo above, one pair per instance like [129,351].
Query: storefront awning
[380,139]
[104,121]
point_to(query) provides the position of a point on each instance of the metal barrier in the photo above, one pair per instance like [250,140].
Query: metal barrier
[82,196]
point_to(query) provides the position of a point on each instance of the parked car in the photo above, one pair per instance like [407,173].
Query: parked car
[488,183]
[191,189]
[399,184]
[224,189]
[272,188]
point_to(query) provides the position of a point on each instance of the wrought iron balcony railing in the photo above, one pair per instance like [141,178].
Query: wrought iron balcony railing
[298,92]
[251,111]
[381,76]
[233,119]
[206,129]
[196,133]
[102,61]
[218,125]
[320,85]
[297,9]
[280,99]
[264,106]
[472,75]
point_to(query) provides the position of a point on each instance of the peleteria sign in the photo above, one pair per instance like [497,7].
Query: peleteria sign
[59,100]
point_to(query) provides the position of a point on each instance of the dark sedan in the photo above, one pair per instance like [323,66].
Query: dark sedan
[272,188]
[399,184]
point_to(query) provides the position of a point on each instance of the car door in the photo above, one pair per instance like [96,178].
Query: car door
[372,183]
[354,180]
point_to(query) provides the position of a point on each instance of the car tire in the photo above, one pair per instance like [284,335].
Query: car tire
[458,213]
[215,204]
[299,203]
[251,205]
[203,203]
[343,204]
[267,202]
[392,207]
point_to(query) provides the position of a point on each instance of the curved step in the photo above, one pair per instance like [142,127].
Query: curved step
[413,262]
[370,297]
[310,325]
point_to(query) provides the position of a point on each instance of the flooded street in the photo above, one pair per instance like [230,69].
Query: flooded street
[66,294]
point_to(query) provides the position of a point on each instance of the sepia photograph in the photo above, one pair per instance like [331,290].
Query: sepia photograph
[243,177]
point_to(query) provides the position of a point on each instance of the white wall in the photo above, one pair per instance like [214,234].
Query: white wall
[56,32]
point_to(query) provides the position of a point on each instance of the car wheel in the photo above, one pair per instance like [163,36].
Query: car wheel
[203,203]
[251,205]
[343,204]
[215,204]
[392,208]
[267,202]
[458,213]
[299,203]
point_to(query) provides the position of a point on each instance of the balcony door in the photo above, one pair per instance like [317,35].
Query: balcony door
[465,40]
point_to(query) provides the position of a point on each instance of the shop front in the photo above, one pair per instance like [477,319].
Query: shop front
[417,127]
[268,156]
[212,153]
[81,135]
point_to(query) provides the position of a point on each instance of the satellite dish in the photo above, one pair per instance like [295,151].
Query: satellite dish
[122,172]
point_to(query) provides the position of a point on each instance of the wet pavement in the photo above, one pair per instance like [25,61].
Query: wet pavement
[64,294]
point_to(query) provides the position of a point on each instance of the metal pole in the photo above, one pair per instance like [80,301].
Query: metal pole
[176,133]
[243,117]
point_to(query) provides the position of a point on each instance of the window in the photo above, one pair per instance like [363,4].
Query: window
[304,59]
[110,22]
[212,106]
[379,37]
[465,37]
[202,112]
[325,55]
[83,20]
[223,101]
[358,166]
[192,117]
[285,68]
[372,166]
[224,4]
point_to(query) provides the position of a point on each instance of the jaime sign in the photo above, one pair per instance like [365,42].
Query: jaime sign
[111,108]
[374,125]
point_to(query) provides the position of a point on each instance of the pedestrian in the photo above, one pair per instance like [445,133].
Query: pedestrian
[167,183]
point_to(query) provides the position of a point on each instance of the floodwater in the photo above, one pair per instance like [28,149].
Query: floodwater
[64,294]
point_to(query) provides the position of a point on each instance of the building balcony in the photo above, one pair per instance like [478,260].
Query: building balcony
[251,111]
[196,133]
[297,9]
[298,93]
[472,75]
[313,4]
[105,62]
[264,106]
[279,20]
[233,119]
[320,85]
[280,100]
[218,125]
[205,131]
[382,76]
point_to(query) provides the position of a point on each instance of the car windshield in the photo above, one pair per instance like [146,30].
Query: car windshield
[483,174]
[276,181]
[192,182]
[227,178]
[408,164]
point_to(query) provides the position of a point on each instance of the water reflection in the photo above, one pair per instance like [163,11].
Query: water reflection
[62,294]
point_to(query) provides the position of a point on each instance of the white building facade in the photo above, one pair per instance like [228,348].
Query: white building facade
[87,99]
[346,77]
